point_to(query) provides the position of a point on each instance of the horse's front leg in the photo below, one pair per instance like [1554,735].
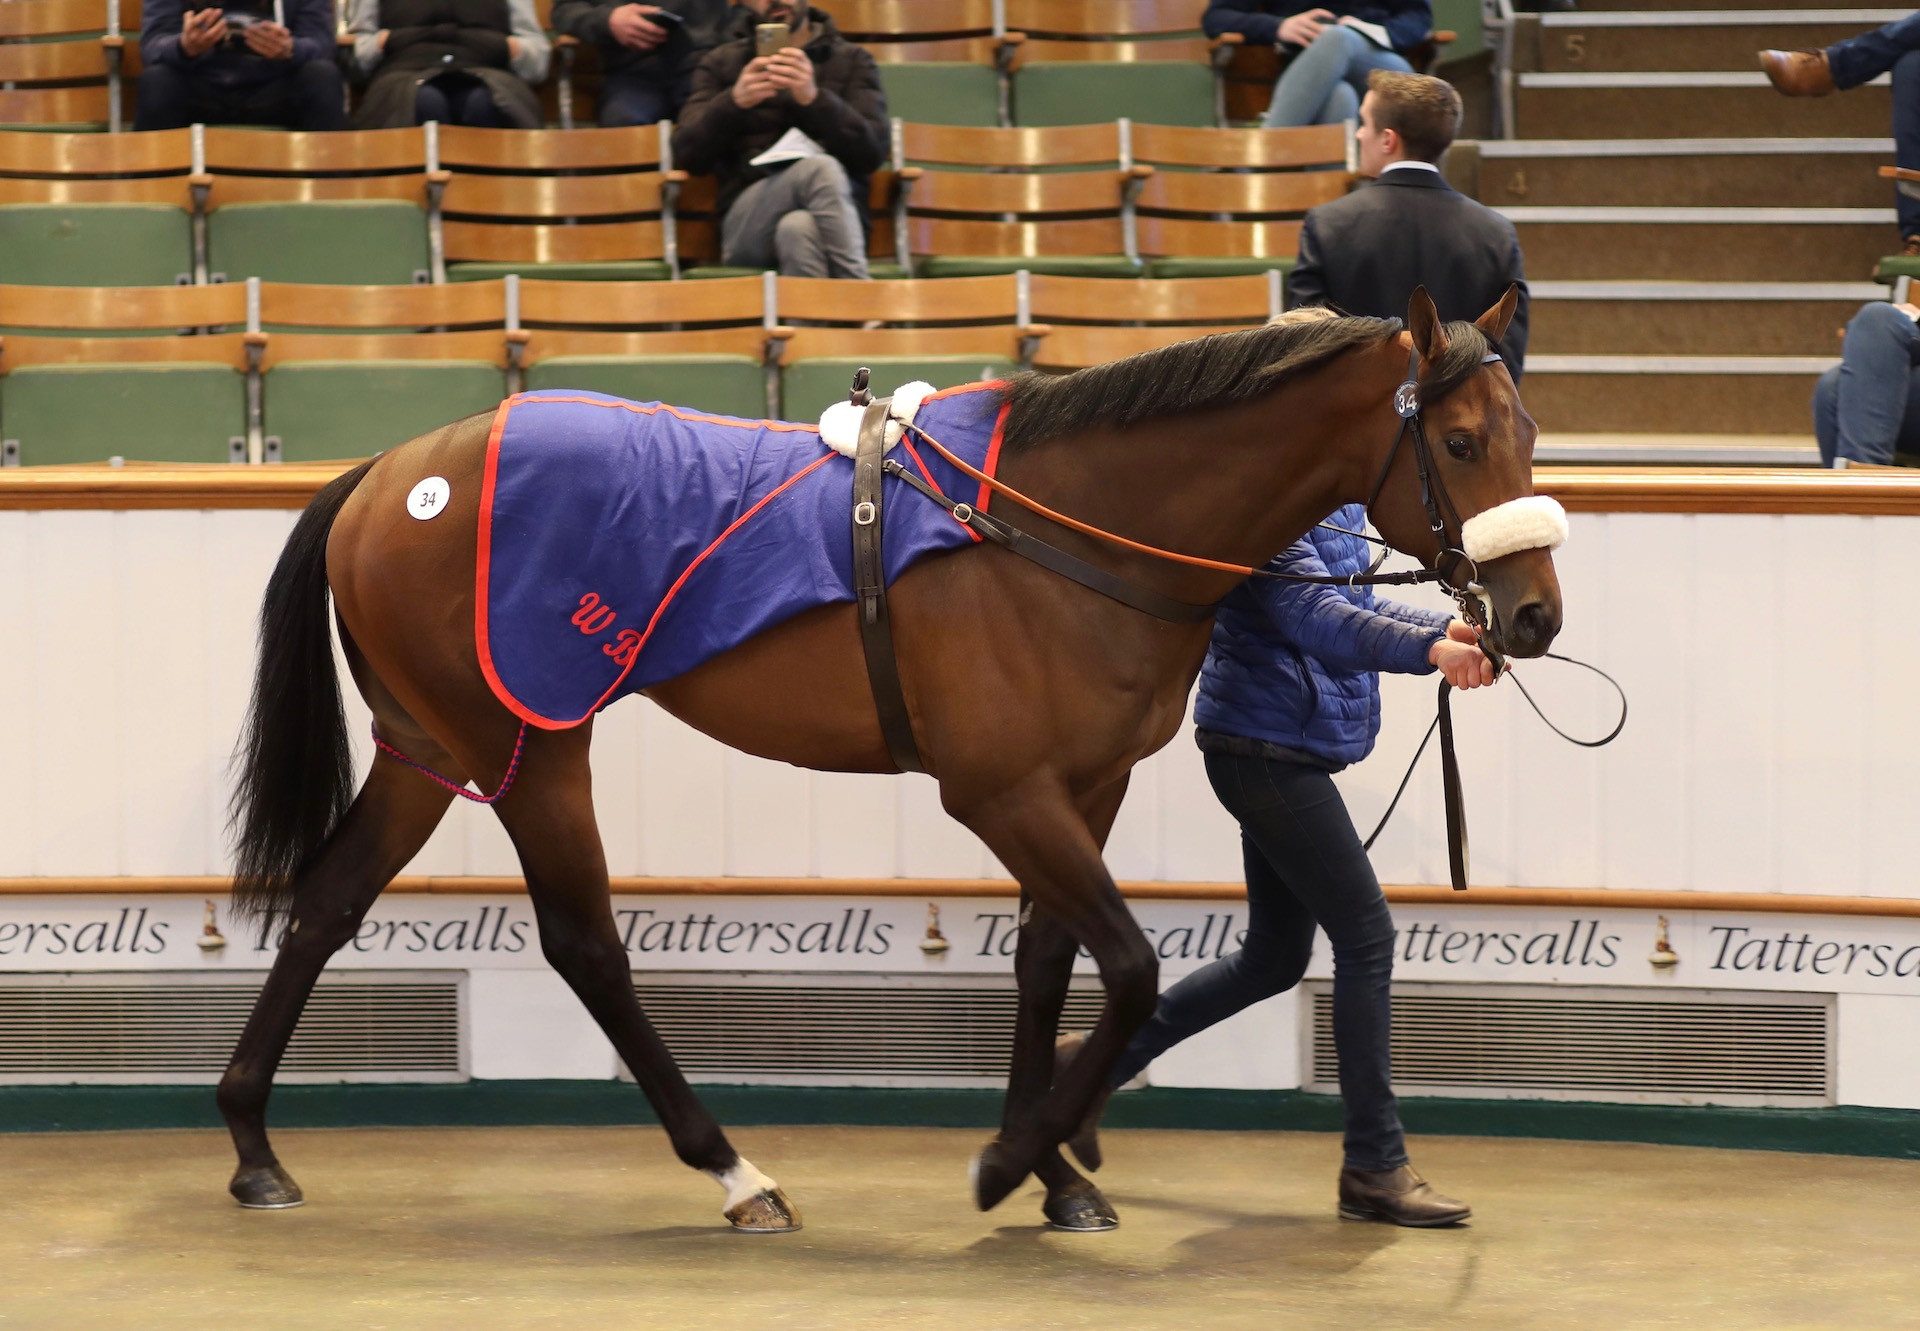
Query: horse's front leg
[1046,842]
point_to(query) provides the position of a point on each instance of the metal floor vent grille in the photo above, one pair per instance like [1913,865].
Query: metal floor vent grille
[845,1030]
[181,1028]
[1543,1042]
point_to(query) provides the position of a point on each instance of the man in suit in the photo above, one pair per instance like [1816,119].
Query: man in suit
[1365,253]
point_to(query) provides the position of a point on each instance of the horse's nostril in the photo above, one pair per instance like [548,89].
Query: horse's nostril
[1533,622]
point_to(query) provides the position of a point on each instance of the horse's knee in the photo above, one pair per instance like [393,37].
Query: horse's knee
[1133,985]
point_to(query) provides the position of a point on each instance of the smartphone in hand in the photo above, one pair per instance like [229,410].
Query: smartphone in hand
[771,37]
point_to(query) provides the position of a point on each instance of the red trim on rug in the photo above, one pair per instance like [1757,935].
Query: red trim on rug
[483,567]
[992,466]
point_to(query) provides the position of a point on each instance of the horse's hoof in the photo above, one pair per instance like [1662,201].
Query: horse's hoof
[769,1211]
[265,1188]
[1081,1211]
[994,1175]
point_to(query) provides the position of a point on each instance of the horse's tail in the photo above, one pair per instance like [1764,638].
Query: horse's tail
[294,767]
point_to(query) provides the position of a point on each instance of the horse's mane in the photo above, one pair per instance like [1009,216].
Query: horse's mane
[1208,372]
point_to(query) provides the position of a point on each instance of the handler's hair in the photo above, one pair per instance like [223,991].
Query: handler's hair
[1424,111]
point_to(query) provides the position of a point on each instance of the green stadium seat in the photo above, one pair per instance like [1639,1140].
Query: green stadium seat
[929,93]
[349,242]
[130,244]
[723,385]
[1079,92]
[1203,266]
[322,409]
[160,412]
[96,372]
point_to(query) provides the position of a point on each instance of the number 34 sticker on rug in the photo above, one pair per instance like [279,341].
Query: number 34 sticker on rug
[428,498]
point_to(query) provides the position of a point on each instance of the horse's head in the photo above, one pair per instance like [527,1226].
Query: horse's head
[1479,478]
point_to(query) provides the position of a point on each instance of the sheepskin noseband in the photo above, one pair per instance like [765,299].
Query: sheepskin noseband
[1533,523]
[840,423]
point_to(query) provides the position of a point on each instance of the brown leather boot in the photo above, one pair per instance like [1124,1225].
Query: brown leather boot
[1798,73]
[1397,1197]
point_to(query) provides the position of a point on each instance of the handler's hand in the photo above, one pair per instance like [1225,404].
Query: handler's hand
[201,31]
[269,40]
[1464,665]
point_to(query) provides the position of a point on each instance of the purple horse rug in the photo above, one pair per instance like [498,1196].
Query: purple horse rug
[623,543]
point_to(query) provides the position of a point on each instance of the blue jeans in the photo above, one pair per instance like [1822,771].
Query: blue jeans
[1867,406]
[1304,867]
[1860,59]
[636,99]
[1323,85]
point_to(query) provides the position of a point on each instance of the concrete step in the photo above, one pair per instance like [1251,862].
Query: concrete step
[1612,6]
[1703,244]
[1701,173]
[1738,395]
[1695,39]
[1693,318]
[1725,105]
[1677,450]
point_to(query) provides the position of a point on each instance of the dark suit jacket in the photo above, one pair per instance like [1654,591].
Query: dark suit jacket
[1365,254]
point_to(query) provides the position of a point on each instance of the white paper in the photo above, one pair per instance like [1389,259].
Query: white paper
[793,146]
[1373,32]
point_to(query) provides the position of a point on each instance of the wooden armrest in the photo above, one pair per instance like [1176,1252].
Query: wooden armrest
[439,176]
[1443,37]
[200,179]
[781,332]
[344,41]
[113,41]
[1034,330]
[1013,38]
[1229,39]
[1899,173]
[518,336]
[1138,171]
[254,339]
[565,41]
[675,177]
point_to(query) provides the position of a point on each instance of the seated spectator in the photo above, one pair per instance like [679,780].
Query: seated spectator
[805,215]
[1366,252]
[1860,60]
[460,62]
[1334,50]
[239,66]
[1867,408]
[648,56]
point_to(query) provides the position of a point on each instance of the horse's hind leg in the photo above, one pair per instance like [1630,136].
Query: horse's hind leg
[550,819]
[385,827]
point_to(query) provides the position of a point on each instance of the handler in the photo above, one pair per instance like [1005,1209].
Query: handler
[1289,695]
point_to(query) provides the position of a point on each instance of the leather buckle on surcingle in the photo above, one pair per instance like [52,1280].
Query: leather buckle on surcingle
[1406,400]
[864,513]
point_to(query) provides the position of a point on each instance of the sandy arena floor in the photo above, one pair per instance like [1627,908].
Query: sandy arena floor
[591,1227]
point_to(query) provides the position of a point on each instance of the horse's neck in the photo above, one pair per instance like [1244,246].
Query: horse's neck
[1237,484]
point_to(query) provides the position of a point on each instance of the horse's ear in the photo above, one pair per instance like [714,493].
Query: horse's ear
[1494,322]
[1423,321]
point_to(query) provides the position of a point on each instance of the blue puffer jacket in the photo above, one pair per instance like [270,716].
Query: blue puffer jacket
[1294,664]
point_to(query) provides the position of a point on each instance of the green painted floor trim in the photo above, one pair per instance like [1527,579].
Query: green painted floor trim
[1847,1130]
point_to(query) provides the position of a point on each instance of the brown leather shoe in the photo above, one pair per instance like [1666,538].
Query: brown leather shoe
[1397,1197]
[1798,73]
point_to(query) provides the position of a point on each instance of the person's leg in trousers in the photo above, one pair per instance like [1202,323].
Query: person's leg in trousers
[319,97]
[1324,83]
[167,98]
[1271,959]
[1294,813]
[750,234]
[634,99]
[1826,415]
[1877,360]
[1864,58]
[474,106]
[430,103]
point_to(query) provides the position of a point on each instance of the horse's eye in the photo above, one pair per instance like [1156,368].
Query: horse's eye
[1460,448]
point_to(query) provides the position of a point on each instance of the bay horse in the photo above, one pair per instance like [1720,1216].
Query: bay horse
[1030,697]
